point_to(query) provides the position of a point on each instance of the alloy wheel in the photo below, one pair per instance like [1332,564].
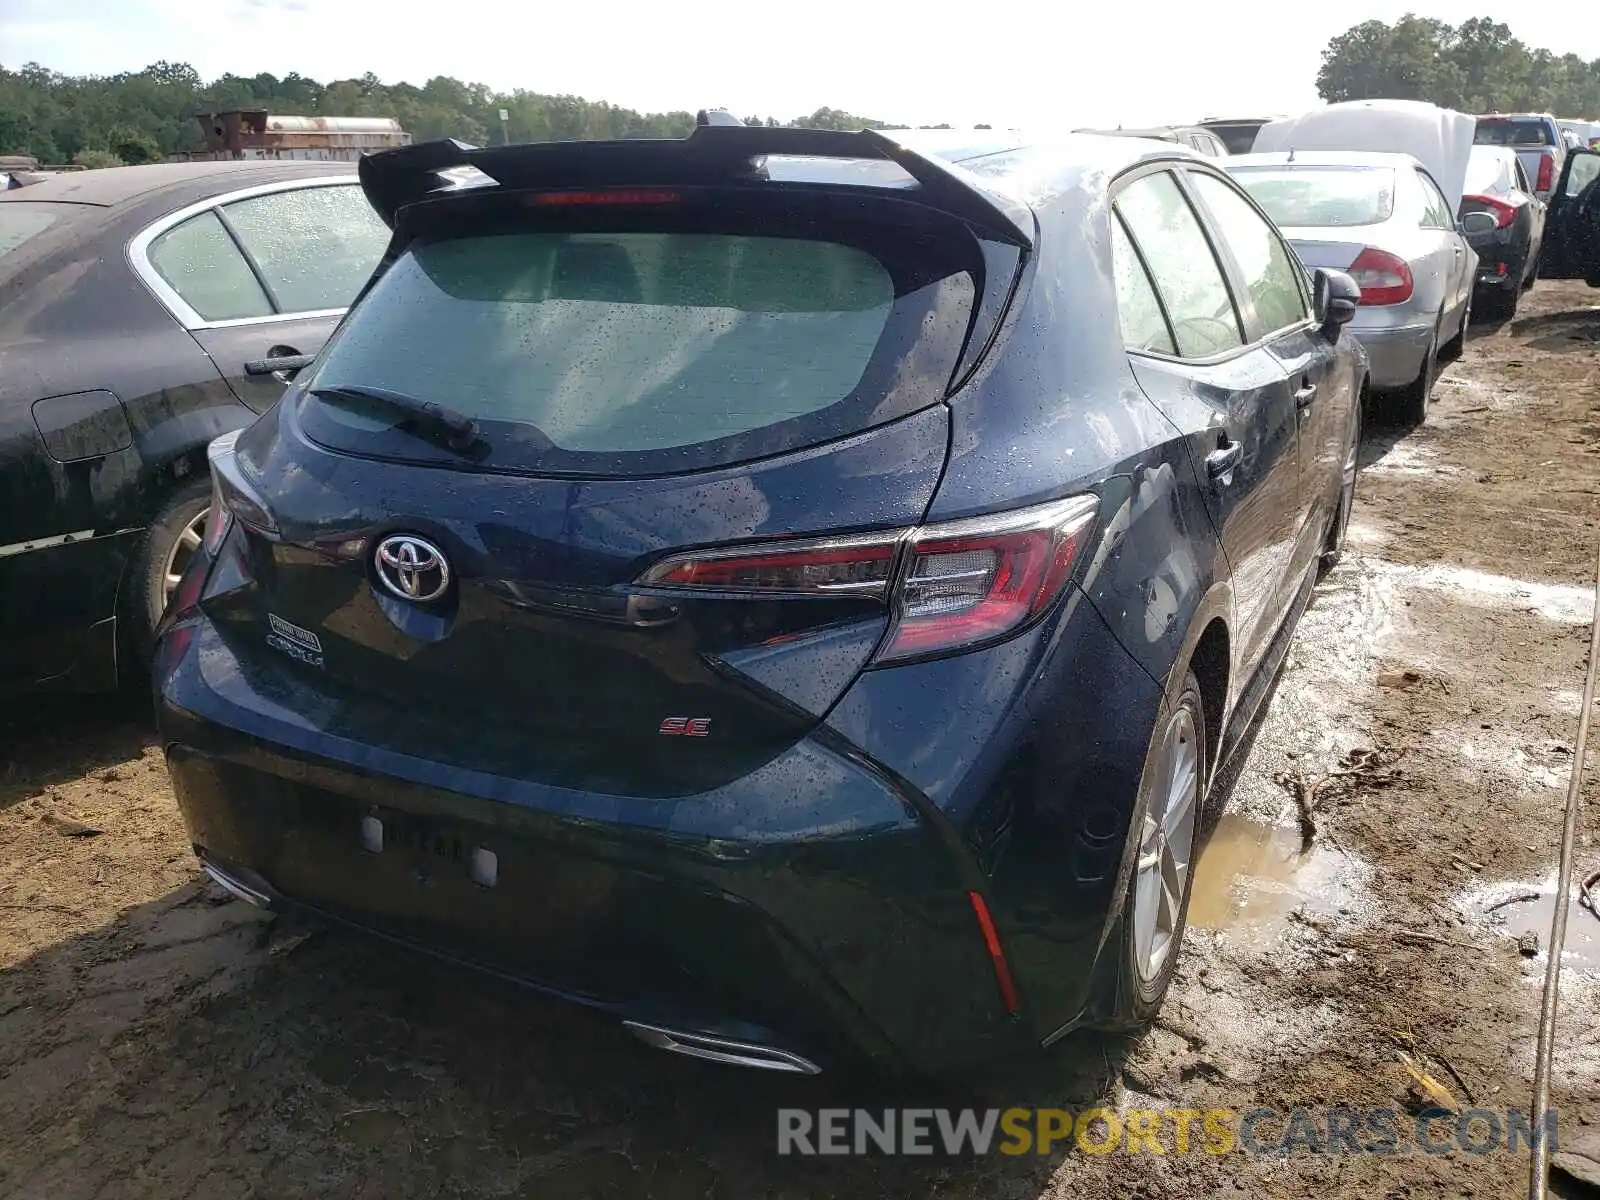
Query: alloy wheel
[1166,847]
[178,556]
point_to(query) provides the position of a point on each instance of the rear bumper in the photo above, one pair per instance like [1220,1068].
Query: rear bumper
[750,912]
[1502,259]
[1395,353]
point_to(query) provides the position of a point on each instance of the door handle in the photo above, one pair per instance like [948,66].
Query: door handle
[1306,394]
[281,362]
[1221,461]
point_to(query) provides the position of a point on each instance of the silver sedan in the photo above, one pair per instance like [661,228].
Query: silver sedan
[1382,219]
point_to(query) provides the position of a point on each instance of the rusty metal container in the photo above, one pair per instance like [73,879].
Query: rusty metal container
[255,133]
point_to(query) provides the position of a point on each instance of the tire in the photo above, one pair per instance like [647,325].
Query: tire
[1500,304]
[1150,932]
[168,541]
[1333,547]
[1409,406]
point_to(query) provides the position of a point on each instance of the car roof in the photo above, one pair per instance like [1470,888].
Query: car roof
[1322,158]
[1028,168]
[111,187]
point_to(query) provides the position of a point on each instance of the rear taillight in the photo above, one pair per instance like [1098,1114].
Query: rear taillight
[233,498]
[1383,278]
[974,581]
[1504,213]
[833,566]
[218,518]
[949,587]
[1547,173]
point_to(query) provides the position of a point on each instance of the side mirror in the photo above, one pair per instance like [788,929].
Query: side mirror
[1335,298]
[1478,222]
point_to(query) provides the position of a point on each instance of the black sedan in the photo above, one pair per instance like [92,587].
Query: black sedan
[795,609]
[1508,254]
[144,311]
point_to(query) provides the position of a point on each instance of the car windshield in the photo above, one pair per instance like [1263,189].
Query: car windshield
[1502,132]
[645,348]
[1321,197]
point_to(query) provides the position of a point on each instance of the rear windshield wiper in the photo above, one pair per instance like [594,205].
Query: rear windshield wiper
[456,431]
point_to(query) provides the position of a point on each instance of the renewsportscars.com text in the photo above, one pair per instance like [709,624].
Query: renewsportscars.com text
[1259,1131]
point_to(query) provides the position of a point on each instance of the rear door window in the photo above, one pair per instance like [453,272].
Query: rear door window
[1186,273]
[1436,210]
[315,246]
[618,350]
[203,264]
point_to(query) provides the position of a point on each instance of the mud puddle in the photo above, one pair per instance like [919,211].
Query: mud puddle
[1521,910]
[1252,875]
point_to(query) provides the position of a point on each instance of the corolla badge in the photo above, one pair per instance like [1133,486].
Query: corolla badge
[412,568]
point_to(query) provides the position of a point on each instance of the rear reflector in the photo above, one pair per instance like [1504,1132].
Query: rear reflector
[997,955]
[1383,278]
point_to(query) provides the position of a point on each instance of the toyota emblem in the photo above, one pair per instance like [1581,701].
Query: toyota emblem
[412,568]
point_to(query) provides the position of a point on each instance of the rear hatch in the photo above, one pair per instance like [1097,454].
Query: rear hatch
[624,371]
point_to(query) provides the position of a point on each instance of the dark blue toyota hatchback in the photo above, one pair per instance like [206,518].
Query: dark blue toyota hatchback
[786,589]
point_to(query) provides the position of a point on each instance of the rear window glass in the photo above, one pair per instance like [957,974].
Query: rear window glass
[1487,174]
[619,350]
[21,223]
[1513,133]
[1321,197]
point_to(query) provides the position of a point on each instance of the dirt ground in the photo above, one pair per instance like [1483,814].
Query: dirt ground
[158,1040]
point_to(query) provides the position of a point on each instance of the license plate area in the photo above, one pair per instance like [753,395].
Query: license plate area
[428,846]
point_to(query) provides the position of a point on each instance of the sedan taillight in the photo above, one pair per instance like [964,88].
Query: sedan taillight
[952,586]
[1383,278]
[1504,213]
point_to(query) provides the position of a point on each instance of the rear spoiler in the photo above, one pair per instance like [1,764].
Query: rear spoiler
[714,154]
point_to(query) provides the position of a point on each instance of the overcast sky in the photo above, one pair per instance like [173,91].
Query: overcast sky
[1005,62]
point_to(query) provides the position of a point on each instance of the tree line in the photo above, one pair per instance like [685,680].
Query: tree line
[1476,67]
[142,116]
